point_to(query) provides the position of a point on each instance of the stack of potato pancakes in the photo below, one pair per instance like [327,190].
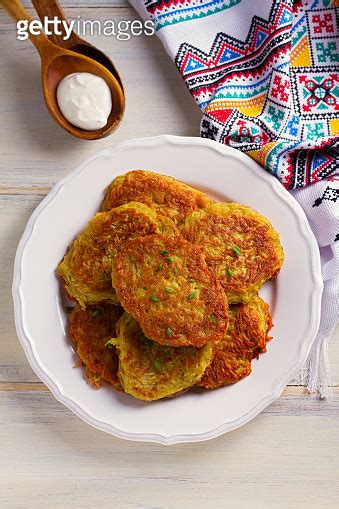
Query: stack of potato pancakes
[166,288]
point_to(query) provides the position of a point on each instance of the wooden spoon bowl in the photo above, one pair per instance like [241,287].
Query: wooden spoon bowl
[68,62]
[99,56]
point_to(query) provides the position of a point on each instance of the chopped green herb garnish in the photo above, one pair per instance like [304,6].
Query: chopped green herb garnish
[175,270]
[168,289]
[192,295]
[168,332]
[157,365]
[164,252]
[109,345]
[160,267]
[192,281]
[213,319]
[170,260]
[236,249]
[230,272]
[96,312]
[154,298]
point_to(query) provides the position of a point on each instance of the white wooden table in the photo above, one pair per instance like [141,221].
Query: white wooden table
[286,458]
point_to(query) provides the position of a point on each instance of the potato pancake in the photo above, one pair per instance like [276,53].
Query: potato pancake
[166,285]
[86,268]
[168,196]
[91,329]
[246,337]
[241,247]
[150,371]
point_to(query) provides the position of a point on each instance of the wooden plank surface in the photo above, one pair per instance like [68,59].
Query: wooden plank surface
[286,457]
[282,459]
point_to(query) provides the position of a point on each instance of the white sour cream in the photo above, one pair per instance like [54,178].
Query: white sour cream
[85,100]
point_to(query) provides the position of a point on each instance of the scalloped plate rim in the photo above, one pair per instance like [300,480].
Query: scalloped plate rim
[151,437]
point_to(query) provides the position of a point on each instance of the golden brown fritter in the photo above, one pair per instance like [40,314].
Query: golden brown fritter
[166,285]
[245,339]
[170,197]
[86,268]
[150,371]
[241,246]
[91,329]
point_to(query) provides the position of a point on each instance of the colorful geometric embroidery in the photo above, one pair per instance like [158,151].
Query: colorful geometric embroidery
[229,59]
[280,90]
[167,12]
[292,128]
[317,93]
[323,23]
[274,93]
[274,117]
[314,131]
[329,194]
[325,51]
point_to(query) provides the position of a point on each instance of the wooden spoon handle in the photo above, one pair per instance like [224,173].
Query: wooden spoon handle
[51,8]
[16,10]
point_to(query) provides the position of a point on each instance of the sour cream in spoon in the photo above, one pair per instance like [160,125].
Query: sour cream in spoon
[85,100]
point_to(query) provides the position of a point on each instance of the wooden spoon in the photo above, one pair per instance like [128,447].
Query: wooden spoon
[51,8]
[56,63]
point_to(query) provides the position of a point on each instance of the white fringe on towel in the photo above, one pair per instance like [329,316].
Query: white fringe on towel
[321,205]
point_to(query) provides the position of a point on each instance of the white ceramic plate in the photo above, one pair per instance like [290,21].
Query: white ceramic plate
[224,174]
